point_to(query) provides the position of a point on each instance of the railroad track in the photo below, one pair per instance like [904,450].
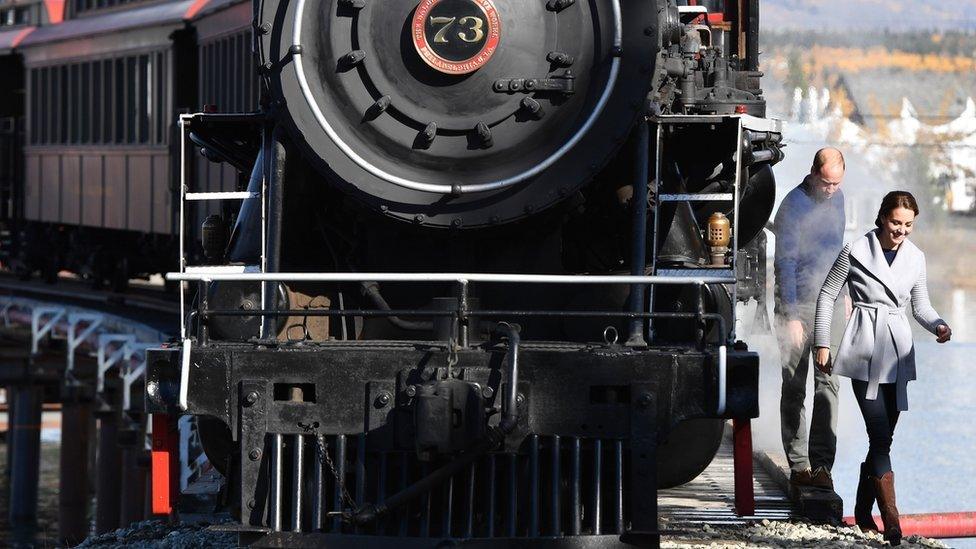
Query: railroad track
[710,498]
[143,303]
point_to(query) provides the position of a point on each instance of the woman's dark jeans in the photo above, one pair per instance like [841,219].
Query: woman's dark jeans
[880,416]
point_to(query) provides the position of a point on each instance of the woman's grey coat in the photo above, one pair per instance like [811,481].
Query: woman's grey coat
[877,346]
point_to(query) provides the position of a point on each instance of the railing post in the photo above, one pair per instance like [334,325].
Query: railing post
[203,333]
[74,338]
[462,316]
[106,359]
[129,373]
[638,259]
[39,330]
[184,187]
[700,312]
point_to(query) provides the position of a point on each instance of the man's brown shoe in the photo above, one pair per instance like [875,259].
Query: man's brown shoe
[801,478]
[821,478]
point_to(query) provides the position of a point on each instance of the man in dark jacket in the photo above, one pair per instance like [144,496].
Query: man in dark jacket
[809,228]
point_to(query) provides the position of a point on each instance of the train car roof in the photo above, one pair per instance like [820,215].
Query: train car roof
[222,17]
[208,7]
[148,16]
[10,39]
[162,14]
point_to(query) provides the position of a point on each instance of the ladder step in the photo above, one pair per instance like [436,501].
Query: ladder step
[223,269]
[713,197]
[698,273]
[222,196]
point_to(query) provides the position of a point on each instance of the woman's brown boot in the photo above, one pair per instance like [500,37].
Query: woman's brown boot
[885,488]
[864,501]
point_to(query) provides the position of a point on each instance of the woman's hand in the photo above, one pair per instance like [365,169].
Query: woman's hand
[822,359]
[944,333]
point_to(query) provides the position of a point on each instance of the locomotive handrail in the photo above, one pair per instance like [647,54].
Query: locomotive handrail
[457,189]
[500,278]
[463,279]
[379,313]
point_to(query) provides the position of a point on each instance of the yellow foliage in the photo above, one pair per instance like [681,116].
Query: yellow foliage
[855,59]
[839,97]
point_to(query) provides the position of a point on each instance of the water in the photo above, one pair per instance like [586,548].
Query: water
[934,450]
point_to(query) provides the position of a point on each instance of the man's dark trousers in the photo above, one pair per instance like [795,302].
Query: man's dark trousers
[822,445]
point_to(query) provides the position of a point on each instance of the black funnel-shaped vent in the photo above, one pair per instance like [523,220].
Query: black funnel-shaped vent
[682,242]
[245,238]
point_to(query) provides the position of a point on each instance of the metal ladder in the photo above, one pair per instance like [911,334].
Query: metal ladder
[185,123]
[730,270]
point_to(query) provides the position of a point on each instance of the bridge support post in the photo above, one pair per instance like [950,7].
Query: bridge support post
[133,497]
[11,411]
[25,443]
[73,489]
[108,463]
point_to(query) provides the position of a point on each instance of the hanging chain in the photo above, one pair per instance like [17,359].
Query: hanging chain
[322,450]
[452,355]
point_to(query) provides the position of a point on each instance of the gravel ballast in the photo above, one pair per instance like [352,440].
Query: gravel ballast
[157,534]
[785,534]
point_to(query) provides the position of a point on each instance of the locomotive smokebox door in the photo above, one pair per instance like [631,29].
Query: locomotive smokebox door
[460,113]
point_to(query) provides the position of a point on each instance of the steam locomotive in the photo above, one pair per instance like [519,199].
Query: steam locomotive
[480,286]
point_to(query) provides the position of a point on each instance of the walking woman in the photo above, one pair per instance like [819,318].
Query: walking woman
[883,271]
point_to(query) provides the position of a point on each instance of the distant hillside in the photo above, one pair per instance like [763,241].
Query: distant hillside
[869,73]
[945,42]
[897,15]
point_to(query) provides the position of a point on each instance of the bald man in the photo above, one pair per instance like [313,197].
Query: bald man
[809,228]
